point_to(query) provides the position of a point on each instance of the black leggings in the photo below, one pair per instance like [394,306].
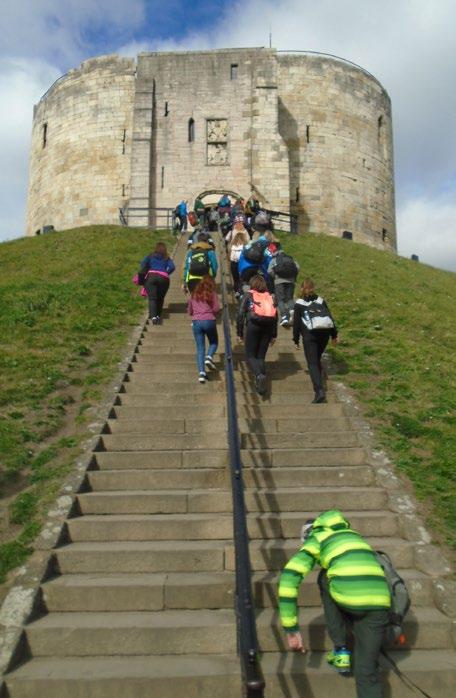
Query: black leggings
[257,340]
[235,274]
[314,345]
[157,287]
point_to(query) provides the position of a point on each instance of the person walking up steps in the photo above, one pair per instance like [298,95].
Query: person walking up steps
[258,315]
[354,593]
[200,261]
[283,271]
[314,322]
[236,247]
[154,274]
[203,306]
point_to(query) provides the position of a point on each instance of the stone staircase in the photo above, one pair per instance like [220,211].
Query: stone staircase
[141,602]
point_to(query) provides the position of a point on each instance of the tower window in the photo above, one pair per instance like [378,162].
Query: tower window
[297,195]
[191,130]
[384,235]
[308,133]
[234,71]
[162,177]
[379,126]
[124,137]
[166,109]
[45,130]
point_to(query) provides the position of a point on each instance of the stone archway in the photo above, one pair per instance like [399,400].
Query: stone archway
[215,194]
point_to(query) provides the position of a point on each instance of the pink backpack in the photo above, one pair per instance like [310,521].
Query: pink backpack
[142,291]
[263,309]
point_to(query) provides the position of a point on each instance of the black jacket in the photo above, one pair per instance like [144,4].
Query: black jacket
[299,327]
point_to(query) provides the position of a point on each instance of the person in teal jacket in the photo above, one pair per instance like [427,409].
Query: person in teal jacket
[354,593]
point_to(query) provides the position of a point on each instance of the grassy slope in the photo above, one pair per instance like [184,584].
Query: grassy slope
[397,324]
[67,306]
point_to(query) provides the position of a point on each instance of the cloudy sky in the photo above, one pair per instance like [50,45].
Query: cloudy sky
[407,44]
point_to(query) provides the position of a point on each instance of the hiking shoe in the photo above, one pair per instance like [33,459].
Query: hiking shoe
[202,378]
[209,362]
[260,383]
[340,660]
[284,321]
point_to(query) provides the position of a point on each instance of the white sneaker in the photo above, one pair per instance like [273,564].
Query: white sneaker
[284,321]
[209,362]
[202,377]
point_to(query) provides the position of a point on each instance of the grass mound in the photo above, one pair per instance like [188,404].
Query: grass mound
[397,321]
[67,306]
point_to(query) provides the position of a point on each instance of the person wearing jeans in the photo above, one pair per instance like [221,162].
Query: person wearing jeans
[203,306]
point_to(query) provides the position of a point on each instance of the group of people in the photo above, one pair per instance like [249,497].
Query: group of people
[216,216]
[355,595]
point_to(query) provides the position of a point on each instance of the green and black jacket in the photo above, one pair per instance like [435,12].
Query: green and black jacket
[356,580]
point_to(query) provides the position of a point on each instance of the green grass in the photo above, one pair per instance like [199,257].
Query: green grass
[67,306]
[397,321]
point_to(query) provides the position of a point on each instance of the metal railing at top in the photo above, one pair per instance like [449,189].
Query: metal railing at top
[285,222]
[162,218]
[245,612]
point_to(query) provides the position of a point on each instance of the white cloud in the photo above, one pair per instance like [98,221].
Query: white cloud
[22,83]
[428,228]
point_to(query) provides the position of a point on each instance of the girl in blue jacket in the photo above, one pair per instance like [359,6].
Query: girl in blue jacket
[154,274]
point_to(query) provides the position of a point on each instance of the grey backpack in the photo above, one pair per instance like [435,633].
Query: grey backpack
[400,599]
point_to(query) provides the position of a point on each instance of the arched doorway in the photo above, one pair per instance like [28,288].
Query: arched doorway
[211,196]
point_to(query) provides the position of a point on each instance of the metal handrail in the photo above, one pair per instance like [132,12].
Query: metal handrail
[245,613]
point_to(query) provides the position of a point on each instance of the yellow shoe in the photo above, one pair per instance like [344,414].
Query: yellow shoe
[340,660]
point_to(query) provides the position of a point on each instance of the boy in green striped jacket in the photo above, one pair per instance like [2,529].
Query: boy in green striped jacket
[353,591]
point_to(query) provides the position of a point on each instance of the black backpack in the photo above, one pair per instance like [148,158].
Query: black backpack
[285,266]
[199,262]
[400,599]
[254,253]
[315,315]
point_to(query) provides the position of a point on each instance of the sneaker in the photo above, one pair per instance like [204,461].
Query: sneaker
[156,320]
[260,383]
[319,398]
[340,660]
[202,377]
[284,321]
[209,362]
[292,315]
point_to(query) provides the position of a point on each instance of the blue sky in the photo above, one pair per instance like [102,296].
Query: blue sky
[407,44]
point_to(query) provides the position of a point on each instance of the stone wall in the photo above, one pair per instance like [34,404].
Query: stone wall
[336,121]
[308,133]
[230,97]
[81,146]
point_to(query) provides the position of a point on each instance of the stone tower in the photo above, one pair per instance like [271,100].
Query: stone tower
[310,134]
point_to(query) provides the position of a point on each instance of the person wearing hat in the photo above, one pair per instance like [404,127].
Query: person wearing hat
[354,593]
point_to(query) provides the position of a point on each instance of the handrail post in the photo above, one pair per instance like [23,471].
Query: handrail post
[245,613]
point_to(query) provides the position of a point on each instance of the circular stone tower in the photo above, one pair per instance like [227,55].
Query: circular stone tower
[335,119]
[80,157]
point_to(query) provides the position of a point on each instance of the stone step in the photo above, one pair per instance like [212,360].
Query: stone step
[188,556]
[210,526]
[169,412]
[201,395]
[313,439]
[83,634]
[190,675]
[119,474]
[191,590]
[202,501]
[202,676]
[277,395]
[424,628]
[132,633]
[141,556]
[166,460]
[157,442]
[272,555]
[297,457]
[161,382]
[253,405]
[127,423]
[121,441]
[160,390]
